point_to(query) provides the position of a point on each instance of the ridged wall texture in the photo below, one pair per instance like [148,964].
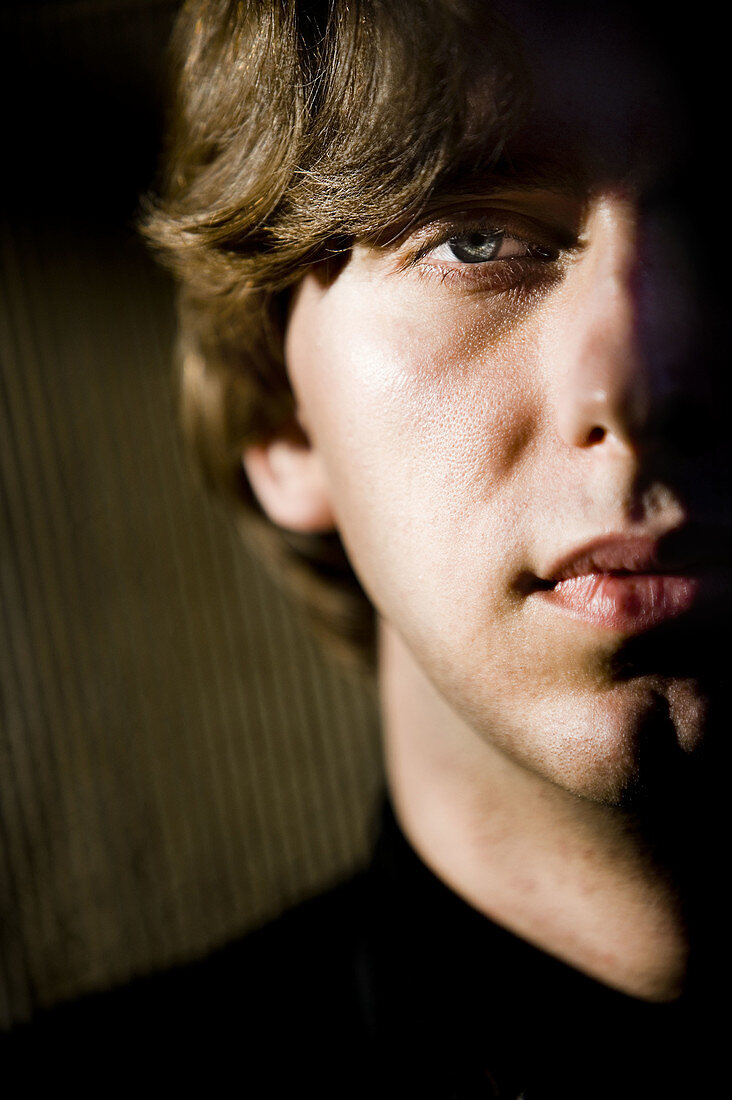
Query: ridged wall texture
[178,760]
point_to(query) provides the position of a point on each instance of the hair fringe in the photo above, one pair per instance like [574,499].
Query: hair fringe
[297,126]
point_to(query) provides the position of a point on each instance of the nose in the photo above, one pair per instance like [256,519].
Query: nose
[627,331]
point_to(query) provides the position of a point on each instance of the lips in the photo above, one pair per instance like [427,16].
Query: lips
[630,585]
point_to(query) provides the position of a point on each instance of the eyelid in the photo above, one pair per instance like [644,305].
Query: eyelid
[519,227]
[493,235]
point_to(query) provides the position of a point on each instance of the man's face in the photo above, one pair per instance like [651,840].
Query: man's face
[517,410]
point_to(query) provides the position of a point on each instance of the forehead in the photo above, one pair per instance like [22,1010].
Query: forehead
[606,99]
[427,100]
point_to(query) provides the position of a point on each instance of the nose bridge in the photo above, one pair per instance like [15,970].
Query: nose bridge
[606,391]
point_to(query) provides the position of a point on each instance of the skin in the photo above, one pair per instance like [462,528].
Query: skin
[465,425]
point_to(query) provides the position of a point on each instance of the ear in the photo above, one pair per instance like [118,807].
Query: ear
[287,477]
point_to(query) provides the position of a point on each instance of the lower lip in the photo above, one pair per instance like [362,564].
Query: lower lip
[626,603]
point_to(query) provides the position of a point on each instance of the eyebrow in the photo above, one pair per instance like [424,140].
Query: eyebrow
[504,178]
[519,174]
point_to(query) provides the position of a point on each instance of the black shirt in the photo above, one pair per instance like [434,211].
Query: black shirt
[388,986]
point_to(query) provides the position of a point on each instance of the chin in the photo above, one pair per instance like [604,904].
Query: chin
[623,724]
[643,741]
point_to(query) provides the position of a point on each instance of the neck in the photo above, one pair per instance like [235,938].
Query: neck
[574,878]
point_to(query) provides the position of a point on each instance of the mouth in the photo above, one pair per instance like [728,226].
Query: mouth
[631,584]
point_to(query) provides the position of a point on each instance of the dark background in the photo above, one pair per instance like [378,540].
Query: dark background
[178,761]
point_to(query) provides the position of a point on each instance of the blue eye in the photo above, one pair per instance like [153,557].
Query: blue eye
[481,246]
[475,248]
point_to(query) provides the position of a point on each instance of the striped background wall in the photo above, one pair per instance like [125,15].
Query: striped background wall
[178,761]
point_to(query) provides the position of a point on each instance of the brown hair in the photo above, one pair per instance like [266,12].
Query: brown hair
[296,127]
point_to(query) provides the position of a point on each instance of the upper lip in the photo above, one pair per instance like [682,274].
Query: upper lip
[678,551]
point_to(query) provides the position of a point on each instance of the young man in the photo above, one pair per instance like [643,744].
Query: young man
[451,288]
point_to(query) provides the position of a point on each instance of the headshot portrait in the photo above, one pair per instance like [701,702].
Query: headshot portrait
[451,344]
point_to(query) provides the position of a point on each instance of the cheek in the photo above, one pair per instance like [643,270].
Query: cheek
[424,425]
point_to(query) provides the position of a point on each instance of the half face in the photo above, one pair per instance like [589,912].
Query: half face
[507,403]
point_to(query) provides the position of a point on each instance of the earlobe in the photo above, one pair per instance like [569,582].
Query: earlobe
[287,477]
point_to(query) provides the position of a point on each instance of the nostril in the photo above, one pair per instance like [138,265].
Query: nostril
[596,435]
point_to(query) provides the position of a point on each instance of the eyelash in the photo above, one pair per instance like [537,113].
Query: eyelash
[490,274]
